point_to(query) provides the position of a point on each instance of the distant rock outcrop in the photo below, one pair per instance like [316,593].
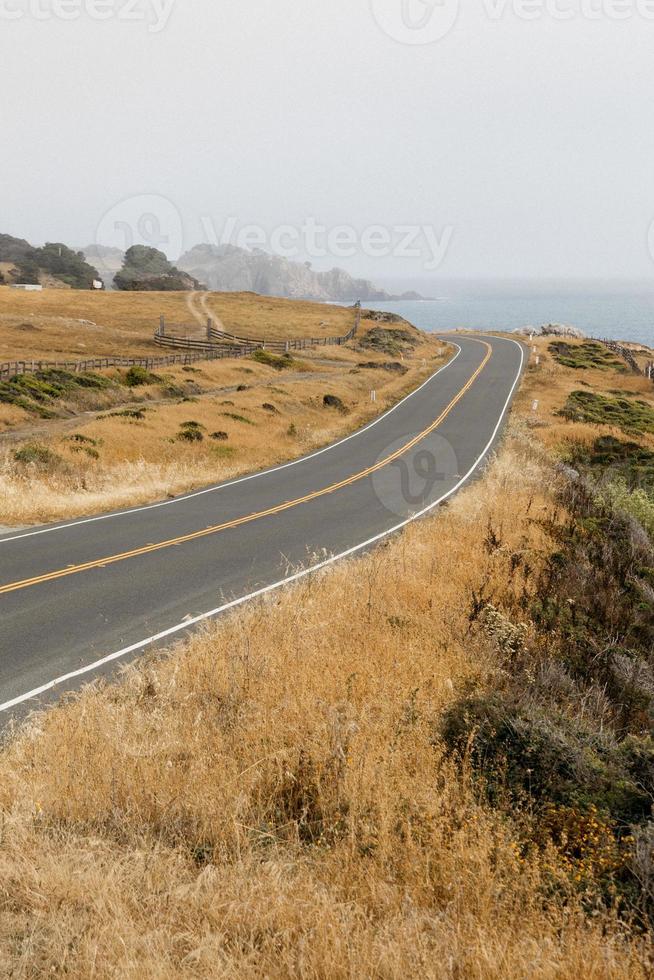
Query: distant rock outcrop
[227,268]
[148,269]
[552,330]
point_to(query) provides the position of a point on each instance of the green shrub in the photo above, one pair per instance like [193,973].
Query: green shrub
[614,457]
[633,417]
[137,376]
[589,354]
[280,363]
[191,432]
[36,392]
[34,454]
[133,414]
[531,751]
[638,503]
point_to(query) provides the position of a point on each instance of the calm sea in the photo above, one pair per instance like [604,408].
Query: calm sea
[616,310]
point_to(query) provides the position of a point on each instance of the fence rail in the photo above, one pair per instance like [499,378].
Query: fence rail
[206,349]
[216,337]
[628,355]
[12,369]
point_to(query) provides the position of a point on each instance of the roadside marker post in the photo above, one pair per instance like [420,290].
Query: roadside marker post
[373,396]
[534,407]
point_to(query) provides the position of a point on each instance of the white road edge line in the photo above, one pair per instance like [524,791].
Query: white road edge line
[277,585]
[243,479]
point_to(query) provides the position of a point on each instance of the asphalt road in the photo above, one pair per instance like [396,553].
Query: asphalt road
[78,597]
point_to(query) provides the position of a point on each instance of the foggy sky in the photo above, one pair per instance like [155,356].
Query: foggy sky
[531,140]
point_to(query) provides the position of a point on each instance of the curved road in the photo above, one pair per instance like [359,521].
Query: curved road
[77,597]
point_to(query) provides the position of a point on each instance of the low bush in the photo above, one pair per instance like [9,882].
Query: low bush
[133,414]
[633,417]
[638,503]
[608,456]
[137,376]
[279,363]
[34,454]
[191,432]
[391,341]
[333,401]
[589,354]
[393,367]
[35,393]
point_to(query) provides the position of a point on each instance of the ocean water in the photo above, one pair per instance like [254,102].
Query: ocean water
[614,310]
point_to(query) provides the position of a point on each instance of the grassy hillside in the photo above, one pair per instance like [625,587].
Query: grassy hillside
[70,323]
[432,761]
[76,444]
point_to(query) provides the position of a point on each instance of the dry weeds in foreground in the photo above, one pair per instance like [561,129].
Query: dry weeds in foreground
[272,800]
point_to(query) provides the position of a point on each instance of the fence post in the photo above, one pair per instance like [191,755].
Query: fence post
[162,326]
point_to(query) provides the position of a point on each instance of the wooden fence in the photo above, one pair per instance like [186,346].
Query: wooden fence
[12,369]
[628,356]
[215,337]
[204,348]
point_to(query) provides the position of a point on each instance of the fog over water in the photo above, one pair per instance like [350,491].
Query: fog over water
[616,310]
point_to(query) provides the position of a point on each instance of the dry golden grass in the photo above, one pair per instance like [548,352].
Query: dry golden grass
[48,324]
[271,801]
[139,461]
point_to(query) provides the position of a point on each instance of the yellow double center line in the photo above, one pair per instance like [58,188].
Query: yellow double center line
[277,509]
